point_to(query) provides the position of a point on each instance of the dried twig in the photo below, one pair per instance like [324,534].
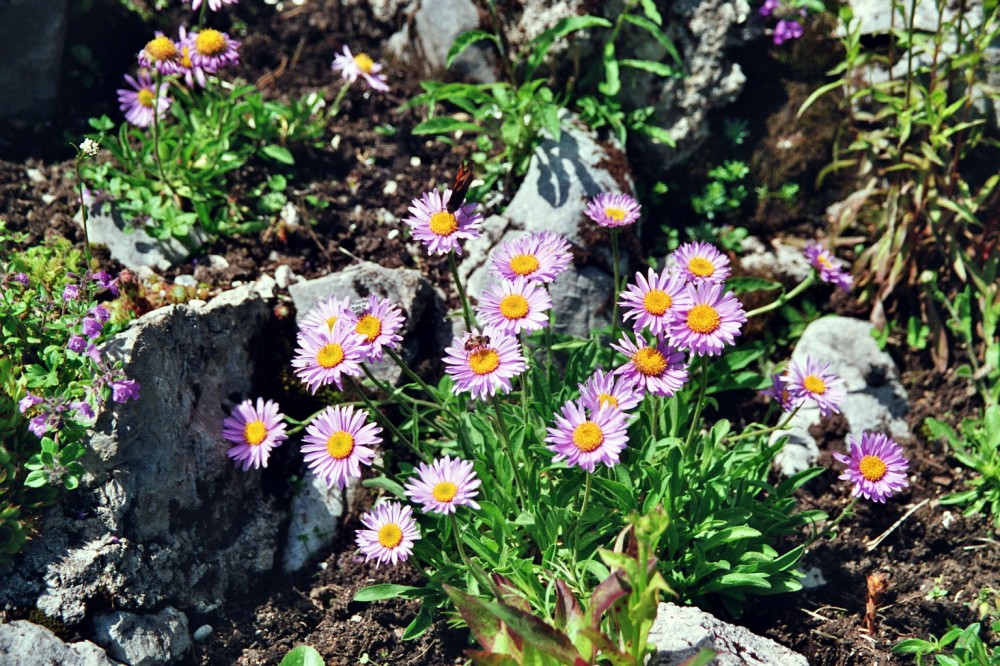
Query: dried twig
[874,543]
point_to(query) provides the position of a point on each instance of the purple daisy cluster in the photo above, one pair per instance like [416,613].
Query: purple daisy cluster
[807,381]
[788,14]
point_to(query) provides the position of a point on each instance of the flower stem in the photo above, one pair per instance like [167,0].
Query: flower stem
[697,406]
[412,375]
[614,294]
[830,528]
[461,291]
[335,108]
[83,210]
[508,449]
[784,298]
[373,409]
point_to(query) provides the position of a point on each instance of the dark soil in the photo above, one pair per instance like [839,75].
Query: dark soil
[288,54]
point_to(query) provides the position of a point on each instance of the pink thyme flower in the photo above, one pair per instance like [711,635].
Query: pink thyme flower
[443,485]
[702,262]
[162,54]
[323,357]
[338,442]
[352,66]
[659,369]
[439,229]
[609,389]
[211,50]
[539,257]
[254,431]
[391,531]
[584,439]
[711,321]
[652,300]
[515,306]
[138,103]
[483,363]
[786,29]
[378,323]
[612,210]
[830,268]
[325,314]
[810,380]
[875,466]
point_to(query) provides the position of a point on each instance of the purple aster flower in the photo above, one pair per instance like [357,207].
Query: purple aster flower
[212,50]
[41,424]
[484,362]
[439,229]
[830,268]
[652,299]
[83,410]
[515,306]
[106,281]
[539,257]
[391,531]
[27,402]
[814,381]
[702,262]
[161,54]
[338,442]
[77,343]
[352,66]
[443,485]
[325,314]
[711,321]
[71,292]
[584,439]
[139,102]
[609,389]
[123,390]
[378,323]
[612,210]
[768,7]
[324,357]
[254,431]
[193,75]
[659,369]
[91,327]
[786,29]
[778,391]
[214,5]
[875,466]
[22,278]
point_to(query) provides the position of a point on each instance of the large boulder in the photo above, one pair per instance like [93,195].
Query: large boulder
[23,643]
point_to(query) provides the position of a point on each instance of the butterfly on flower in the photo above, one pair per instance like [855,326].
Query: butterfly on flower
[461,186]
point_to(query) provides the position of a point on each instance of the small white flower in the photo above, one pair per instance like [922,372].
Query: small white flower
[89,148]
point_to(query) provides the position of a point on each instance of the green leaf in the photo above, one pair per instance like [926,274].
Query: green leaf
[651,12]
[612,82]
[657,34]
[744,284]
[278,153]
[540,45]
[659,134]
[445,125]
[421,623]
[303,655]
[36,479]
[389,591]
[658,68]
[465,40]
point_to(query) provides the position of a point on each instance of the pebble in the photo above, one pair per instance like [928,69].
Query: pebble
[414,161]
[48,199]
[201,633]
[947,518]
[812,578]
[393,233]
[186,281]
[218,262]
[283,276]
[390,188]
[35,176]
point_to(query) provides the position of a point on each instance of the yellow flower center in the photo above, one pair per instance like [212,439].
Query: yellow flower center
[330,356]
[146,98]
[369,326]
[186,58]
[390,535]
[524,264]
[657,301]
[445,491]
[701,266]
[814,384]
[823,261]
[484,361]
[162,48]
[514,306]
[364,62]
[210,42]
[254,432]
[872,468]
[703,318]
[607,399]
[616,214]
[588,436]
[649,361]
[444,223]
[340,444]
[332,321]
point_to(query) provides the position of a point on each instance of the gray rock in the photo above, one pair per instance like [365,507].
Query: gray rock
[25,644]
[876,399]
[144,640]
[874,17]
[162,516]
[316,513]
[32,35]
[680,632]
[779,260]
[134,248]
[405,287]
[430,30]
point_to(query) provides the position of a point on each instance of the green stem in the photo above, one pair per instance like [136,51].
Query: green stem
[461,291]
[784,298]
[373,410]
[783,425]
[83,211]
[520,488]
[335,108]
[830,528]
[412,375]
[697,407]
[614,268]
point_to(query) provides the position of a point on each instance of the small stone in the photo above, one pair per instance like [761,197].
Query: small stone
[393,234]
[48,198]
[414,161]
[290,214]
[284,276]
[390,188]
[35,176]
[186,281]
[202,632]
[812,578]
[947,519]
[218,262]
